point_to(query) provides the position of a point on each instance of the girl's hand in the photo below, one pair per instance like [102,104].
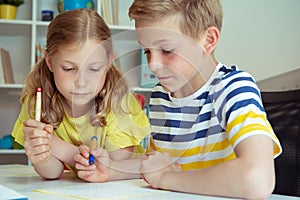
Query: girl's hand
[155,166]
[97,172]
[37,141]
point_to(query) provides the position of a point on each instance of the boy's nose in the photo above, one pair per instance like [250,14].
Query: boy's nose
[155,61]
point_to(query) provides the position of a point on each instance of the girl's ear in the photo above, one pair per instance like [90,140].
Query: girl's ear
[111,59]
[48,61]
[212,35]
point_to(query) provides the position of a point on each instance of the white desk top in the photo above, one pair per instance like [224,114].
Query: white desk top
[24,180]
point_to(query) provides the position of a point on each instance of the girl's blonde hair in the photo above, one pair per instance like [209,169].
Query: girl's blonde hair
[74,27]
[196,15]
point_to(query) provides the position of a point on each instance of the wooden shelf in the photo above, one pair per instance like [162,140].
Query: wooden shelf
[12,151]
[20,37]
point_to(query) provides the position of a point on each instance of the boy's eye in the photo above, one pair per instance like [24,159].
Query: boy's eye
[146,51]
[167,51]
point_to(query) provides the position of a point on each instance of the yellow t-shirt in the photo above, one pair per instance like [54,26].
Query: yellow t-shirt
[122,129]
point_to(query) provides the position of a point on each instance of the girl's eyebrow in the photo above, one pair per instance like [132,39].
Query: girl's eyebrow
[70,62]
[93,63]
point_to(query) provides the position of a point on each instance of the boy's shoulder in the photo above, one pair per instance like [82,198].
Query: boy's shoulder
[232,80]
[233,73]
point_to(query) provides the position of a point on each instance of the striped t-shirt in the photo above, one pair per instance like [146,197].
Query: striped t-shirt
[202,130]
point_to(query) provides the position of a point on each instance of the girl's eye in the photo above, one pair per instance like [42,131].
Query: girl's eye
[95,69]
[67,68]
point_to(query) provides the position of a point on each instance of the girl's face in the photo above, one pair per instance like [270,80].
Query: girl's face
[176,60]
[79,74]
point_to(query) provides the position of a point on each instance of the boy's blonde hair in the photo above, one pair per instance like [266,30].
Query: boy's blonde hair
[68,28]
[196,15]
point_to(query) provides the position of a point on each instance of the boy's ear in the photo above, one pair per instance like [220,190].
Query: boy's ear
[48,61]
[212,35]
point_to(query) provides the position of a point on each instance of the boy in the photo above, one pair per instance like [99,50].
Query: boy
[206,117]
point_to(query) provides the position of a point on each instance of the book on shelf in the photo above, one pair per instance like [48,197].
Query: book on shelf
[2,81]
[108,11]
[115,12]
[40,48]
[6,70]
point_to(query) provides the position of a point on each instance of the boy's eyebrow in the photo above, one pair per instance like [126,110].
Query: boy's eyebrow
[140,43]
[159,41]
[155,42]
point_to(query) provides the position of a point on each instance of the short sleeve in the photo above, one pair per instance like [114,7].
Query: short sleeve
[17,131]
[127,129]
[245,114]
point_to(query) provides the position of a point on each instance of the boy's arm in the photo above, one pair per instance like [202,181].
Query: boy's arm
[250,176]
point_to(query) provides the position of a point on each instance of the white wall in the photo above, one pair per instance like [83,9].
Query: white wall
[261,36]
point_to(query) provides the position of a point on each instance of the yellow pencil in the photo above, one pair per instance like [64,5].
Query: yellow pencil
[93,146]
[38,104]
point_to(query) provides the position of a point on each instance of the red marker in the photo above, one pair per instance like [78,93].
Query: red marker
[38,104]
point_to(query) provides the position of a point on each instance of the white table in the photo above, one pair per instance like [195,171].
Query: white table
[24,180]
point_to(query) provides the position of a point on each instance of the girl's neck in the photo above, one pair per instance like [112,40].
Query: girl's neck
[76,110]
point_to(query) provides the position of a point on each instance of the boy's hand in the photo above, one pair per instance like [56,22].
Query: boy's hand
[37,141]
[156,166]
[97,172]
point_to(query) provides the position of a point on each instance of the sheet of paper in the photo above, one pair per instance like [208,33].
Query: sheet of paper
[7,193]
[108,190]
[119,190]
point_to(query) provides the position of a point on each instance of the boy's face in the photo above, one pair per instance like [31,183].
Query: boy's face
[175,59]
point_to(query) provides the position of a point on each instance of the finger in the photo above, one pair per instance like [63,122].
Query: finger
[100,152]
[48,128]
[144,178]
[179,167]
[37,149]
[35,159]
[34,132]
[34,124]
[78,158]
[36,140]
[84,151]
[102,156]
[84,167]
[165,154]
[85,175]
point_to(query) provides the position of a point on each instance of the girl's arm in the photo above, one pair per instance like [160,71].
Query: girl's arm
[46,151]
[116,165]
[63,150]
[250,176]
[38,138]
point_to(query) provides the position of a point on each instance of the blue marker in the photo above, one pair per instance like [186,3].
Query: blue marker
[93,146]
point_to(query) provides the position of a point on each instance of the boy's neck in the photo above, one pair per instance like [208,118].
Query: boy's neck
[198,81]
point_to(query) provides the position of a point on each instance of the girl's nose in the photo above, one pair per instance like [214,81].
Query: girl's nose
[81,80]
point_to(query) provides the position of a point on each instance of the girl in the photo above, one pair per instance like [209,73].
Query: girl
[84,95]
